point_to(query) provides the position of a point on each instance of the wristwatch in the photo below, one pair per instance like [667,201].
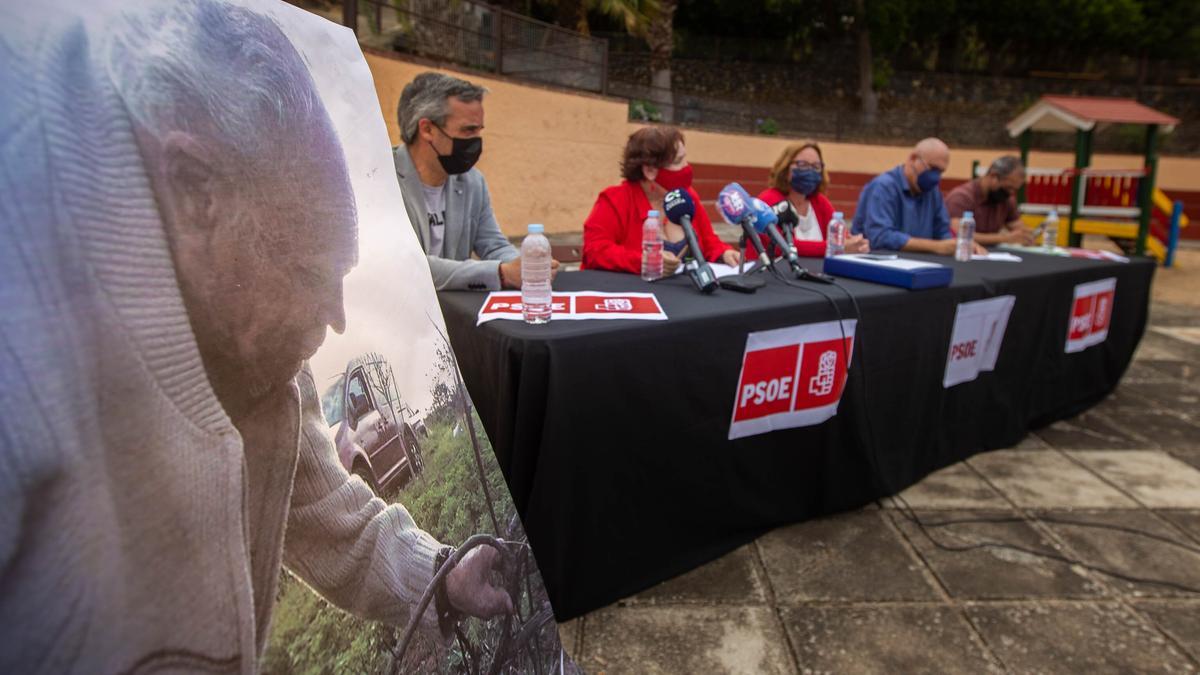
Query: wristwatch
[446,614]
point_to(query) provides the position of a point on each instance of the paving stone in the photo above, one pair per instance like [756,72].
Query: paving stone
[884,639]
[1169,314]
[1092,638]
[1189,456]
[1155,350]
[1047,480]
[1188,334]
[1176,370]
[732,578]
[987,569]
[1164,428]
[1154,478]
[854,556]
[1128,553]
[684,639]
[954,487]
[1089,430]
[1151,370]
[1177,396]
[568,635]
[1164,343]
[1189,521]
[1178,619]
[1031,442]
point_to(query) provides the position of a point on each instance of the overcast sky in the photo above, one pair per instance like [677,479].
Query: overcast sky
[390,292]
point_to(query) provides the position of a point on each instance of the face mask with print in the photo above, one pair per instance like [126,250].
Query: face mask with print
[805,181]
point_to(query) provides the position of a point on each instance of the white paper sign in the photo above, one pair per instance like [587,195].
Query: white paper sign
[979,328]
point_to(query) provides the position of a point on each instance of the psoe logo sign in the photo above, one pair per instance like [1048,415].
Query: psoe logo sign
[1091,313]
[791,377]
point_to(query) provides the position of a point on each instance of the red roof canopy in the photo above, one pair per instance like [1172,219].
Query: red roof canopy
[1064,113]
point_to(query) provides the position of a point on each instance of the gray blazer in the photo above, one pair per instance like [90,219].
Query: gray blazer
[470,227]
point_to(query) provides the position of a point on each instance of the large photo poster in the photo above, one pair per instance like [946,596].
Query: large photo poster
[235,437]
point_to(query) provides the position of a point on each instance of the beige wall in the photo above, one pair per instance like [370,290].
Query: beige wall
[547,153]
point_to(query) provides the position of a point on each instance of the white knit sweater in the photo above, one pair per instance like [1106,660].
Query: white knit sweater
[138,528]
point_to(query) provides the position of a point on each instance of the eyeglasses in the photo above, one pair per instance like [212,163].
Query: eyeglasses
[939,169]
[815,166]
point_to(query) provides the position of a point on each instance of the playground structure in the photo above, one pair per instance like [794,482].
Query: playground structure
[1123,204]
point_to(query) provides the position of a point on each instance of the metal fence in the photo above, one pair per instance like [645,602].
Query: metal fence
[482,36]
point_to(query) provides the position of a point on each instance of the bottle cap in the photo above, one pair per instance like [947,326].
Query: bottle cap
[536,228]
[969,214]
[652,214]
[839,215]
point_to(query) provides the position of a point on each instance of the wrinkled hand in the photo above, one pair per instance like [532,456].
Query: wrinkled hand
[510,273]
[856,243]
[469,589]
[670,263]
[1021,235]
[731,257]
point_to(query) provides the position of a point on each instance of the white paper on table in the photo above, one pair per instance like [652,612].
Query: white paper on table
[998,256]
[894,263]
[719,269]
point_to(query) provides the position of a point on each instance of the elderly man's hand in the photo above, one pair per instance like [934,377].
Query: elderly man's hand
[946,246]
[554,264]
[670,263]
[469,589]
[510,273]
[1019,235]
[856,243]
[979,249]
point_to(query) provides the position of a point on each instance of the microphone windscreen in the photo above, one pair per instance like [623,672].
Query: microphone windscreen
[677,204]
[761,215]
[734,203]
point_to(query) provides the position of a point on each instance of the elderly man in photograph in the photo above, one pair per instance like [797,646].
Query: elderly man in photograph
[992,199]
[441,126]
[177,222]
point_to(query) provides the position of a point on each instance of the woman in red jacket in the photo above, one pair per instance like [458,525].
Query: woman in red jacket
[655,162]
[799,177]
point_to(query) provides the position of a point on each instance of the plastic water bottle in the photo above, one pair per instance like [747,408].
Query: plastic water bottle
[835,235]
[535,276]
[652,247]
[966,237]
[1050,233]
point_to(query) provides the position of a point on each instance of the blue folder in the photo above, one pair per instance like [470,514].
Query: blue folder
[927,275]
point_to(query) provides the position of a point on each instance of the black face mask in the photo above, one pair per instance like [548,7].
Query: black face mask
[996,196]
[464,152]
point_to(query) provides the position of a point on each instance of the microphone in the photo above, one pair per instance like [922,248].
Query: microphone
[734,204]
[788,220]
[768,222]
[680,208]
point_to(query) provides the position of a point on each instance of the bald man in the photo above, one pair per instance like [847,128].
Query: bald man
[902,210]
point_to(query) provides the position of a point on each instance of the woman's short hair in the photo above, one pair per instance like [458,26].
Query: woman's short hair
[649,146]
[781,172]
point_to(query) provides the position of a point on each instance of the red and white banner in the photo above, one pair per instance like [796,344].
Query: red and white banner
[791,377]
[577,305]
[975,341]
[1091,312]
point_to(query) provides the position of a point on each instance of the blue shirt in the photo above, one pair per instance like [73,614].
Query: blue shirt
[889,214]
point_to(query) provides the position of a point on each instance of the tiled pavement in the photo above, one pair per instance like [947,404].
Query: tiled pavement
[1099,517]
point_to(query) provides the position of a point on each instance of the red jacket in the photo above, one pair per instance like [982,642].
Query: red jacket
[822,209]
[612,233]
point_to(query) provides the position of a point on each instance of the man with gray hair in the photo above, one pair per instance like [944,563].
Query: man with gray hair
[992,198]
[441,125]
[167,267]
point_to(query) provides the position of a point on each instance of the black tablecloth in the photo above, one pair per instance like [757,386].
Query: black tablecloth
[613,434]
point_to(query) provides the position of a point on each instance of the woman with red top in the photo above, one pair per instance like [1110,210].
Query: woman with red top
[799,177]
[654,163]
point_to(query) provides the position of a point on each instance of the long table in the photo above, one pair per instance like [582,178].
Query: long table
[614,435]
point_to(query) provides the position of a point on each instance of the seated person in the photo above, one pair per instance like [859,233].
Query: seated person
[902,210]
[799,177]
[993,200]
[441,119]
[654,163]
